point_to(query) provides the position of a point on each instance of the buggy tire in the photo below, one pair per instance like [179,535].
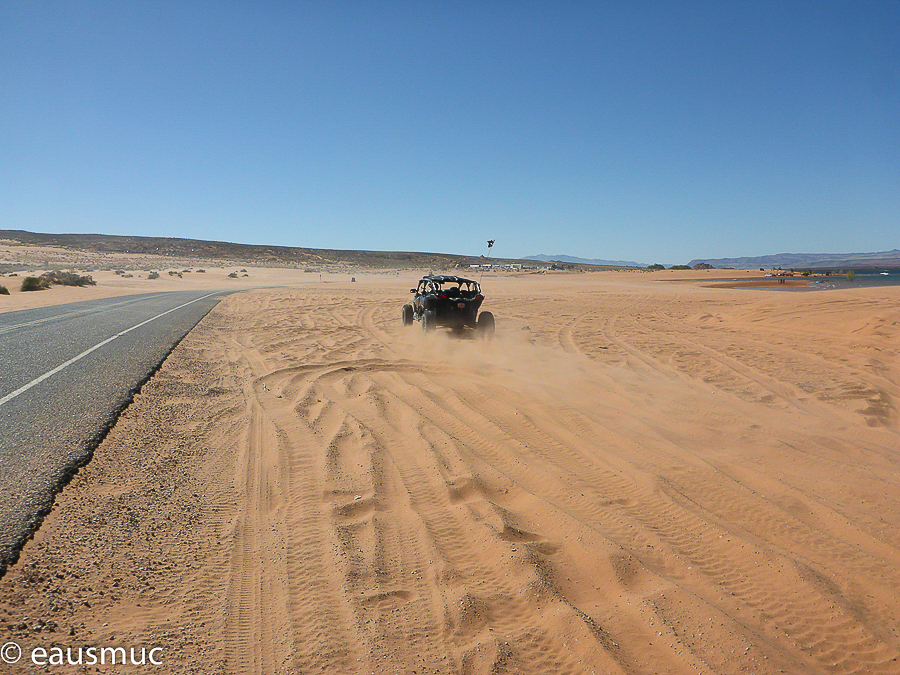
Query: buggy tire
[429,320]
[485,325]
[406,315]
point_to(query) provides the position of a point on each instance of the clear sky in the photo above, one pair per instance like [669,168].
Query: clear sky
[656,131]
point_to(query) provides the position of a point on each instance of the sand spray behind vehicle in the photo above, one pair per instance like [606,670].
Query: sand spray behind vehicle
[512,356]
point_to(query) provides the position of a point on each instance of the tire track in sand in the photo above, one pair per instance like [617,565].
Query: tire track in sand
[448,506]
[281,612]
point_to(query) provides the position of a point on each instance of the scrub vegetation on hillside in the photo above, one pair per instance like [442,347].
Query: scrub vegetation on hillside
[58,278]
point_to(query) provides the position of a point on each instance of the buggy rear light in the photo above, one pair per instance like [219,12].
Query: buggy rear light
[442,296]
[479,297]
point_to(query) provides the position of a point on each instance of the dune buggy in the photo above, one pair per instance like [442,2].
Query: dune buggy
[448,301]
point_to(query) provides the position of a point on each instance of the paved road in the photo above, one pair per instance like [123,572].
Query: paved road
[65,374]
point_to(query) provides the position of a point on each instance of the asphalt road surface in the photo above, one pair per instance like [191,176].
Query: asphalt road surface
[66,372]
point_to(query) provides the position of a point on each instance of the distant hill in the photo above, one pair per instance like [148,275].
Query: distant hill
[583,261]
[288,256]
[885,259]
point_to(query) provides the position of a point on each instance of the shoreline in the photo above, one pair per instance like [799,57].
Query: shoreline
[811,283]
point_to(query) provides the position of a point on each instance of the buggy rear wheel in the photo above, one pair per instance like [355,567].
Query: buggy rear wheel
[485,325]
[429,320]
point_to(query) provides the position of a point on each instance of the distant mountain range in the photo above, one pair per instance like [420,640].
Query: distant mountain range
[583,261]
[884,259]
[292,256]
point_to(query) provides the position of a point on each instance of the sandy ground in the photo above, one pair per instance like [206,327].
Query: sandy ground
[633,477]
[109,284]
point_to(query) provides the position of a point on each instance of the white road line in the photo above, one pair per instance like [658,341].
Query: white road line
[50,373]
[6,329]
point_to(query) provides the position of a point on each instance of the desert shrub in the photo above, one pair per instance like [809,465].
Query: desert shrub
[233,275]
[4,290]
[67,279]
[153,275]
[34,284]
[120,272]
[200,271]
[80,280]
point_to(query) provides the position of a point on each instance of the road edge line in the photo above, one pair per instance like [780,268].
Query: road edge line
[50,373]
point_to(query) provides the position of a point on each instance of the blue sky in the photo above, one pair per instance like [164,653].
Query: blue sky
[655,131]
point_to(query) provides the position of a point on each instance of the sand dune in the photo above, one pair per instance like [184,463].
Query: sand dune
[633,477]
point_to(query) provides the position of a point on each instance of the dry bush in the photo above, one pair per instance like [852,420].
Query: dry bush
[67,279]
[34,284]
